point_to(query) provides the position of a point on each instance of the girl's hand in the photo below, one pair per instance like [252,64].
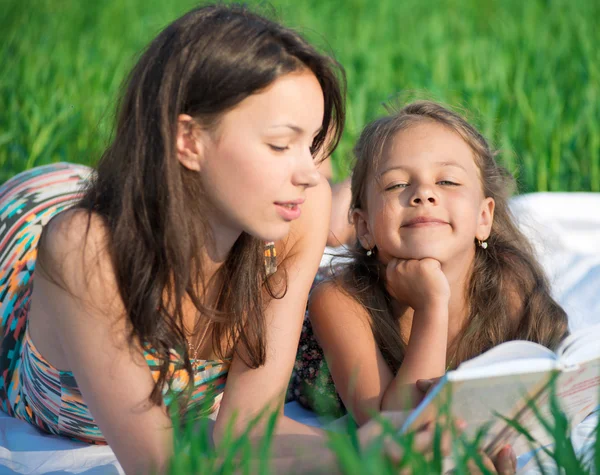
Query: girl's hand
[425,385]
[418,283]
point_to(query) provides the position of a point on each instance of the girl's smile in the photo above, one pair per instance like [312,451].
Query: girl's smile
[424,222]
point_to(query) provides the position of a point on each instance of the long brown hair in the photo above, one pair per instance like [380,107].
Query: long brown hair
[508,294]
[203,64]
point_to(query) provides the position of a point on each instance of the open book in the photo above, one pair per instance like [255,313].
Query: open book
[503,379]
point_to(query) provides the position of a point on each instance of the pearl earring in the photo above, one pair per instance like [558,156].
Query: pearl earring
[370,252]
[482,244]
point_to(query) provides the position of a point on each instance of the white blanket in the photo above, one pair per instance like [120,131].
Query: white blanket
[565,228]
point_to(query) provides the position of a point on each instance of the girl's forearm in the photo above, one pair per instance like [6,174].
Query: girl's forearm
[425,358]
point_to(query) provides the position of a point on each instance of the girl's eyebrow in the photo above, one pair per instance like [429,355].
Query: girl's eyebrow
[451,164]
[439,164]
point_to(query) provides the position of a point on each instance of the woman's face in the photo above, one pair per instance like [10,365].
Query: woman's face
[256,166]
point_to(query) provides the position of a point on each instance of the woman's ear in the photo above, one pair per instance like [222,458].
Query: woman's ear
[361,226]
[189,143]
[486,219]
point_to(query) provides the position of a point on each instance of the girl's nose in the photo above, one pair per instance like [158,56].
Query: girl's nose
[423,195]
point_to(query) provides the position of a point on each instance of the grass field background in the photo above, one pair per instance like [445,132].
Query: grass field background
[527,73]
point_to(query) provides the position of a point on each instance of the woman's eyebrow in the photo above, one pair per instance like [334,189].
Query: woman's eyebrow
[296,129]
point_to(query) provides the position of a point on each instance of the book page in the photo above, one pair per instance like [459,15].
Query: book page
[585,337]
[578,394]
[578,391]
[510,351]
[477,401]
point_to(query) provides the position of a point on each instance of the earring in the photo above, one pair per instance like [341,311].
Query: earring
[270,258]
[482,244]
[370,252]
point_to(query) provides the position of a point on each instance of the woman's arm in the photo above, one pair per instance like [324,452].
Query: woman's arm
[248,390]
[89,325]
[340,230]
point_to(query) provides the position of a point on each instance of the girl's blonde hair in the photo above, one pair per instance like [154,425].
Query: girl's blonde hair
[508,294]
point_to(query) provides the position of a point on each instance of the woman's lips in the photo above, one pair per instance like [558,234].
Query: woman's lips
[289,210]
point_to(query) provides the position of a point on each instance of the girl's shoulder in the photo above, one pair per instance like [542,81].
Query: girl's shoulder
[330,300]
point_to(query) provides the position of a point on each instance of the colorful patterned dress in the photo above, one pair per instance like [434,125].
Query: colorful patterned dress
[31,389]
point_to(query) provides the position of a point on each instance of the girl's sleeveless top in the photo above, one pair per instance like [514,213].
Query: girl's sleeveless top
[31,389]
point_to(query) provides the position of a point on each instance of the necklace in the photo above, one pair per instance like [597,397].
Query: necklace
[193,350]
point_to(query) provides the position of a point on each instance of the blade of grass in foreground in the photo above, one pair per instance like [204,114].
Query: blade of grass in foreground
[597,445]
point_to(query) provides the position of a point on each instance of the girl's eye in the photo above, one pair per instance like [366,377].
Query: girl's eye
[396,186]
[278,149]
[447,182]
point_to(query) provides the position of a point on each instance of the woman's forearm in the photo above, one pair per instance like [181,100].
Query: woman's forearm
[299,448]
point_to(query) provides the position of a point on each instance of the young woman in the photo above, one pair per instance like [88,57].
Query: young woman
[152,287]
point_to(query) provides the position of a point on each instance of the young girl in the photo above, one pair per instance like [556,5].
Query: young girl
[439,274]
[152,286]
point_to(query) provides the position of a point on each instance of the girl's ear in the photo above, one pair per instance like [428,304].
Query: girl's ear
[361,226]
[486,219]
[189,143]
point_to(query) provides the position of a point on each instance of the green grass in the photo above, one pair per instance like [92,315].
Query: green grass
[194,453]
[528,72]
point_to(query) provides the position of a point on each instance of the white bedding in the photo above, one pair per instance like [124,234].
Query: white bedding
[565,228]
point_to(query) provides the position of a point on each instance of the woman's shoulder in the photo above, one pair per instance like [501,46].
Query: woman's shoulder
[70,236]
[313,223]
[308,234]
[74,254]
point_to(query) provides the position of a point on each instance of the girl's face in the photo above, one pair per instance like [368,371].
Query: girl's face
[426,199]
[257,165]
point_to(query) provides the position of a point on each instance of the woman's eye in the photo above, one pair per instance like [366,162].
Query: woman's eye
[277,148]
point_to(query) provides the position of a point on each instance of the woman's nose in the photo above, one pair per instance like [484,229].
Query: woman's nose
[306,173]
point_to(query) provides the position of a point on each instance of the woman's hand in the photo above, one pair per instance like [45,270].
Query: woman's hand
[420,284]
[423,441]
[505,462]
